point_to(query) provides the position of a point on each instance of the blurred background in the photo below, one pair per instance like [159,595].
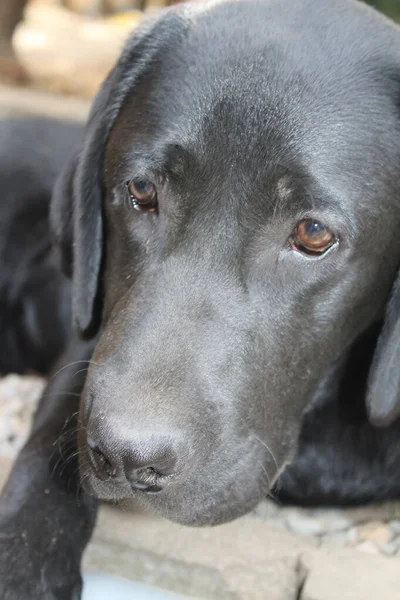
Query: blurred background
[68,46]
[390,7]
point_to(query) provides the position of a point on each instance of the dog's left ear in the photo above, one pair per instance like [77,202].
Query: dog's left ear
[62,215]
[383,395]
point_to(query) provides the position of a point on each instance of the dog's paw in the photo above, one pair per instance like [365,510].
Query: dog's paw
[33,566]
[31,584]
[30,590]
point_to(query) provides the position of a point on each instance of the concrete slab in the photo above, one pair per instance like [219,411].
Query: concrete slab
[349,575]
[245,559]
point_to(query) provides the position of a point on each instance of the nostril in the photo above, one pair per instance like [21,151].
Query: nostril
[100,462]
[148,464]
[149,467]
[145,480]
[144,487]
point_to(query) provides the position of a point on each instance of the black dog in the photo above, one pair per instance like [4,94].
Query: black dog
[230,225]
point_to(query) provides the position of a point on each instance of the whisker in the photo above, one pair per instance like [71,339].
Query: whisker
[80,371]
[84,472]
[265,471]
[48,395]
[269,450]
[76,362]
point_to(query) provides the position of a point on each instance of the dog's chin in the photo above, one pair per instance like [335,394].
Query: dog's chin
[195,504]
[191,512]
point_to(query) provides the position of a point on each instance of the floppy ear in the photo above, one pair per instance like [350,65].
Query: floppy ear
[383,395]
[76,218]
[77,204]
[61,214]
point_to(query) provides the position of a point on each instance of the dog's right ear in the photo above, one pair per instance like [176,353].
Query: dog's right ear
[77,204]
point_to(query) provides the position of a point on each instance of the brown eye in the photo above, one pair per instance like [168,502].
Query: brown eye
[312,237]
[143,195]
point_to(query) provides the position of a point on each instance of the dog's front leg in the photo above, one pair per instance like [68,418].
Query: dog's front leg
[45,518]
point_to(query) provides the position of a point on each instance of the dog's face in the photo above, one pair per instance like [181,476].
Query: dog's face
[248,207]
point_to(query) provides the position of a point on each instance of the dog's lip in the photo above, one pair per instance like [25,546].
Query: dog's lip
[108,490]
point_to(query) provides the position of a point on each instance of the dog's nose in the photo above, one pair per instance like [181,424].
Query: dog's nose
[146,466]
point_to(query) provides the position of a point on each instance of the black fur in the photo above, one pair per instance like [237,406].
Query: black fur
[35,309]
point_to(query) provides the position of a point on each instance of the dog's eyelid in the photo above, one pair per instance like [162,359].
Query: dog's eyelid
[314,257]
[157,177]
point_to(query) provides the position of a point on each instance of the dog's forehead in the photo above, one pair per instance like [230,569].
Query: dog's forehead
[262,82]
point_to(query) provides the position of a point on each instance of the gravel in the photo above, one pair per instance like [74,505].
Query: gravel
[18,400]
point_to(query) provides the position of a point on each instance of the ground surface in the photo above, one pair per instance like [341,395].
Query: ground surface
[275,554]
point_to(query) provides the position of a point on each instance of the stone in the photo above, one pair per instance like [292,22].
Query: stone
[394,511]
[372,512]
[332,520]
[18,400]
[349,575]
[341,539]
[316,522]
[376,532]
[368,547]
[303,524]
[352,536]
[395,527]
[390,549]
